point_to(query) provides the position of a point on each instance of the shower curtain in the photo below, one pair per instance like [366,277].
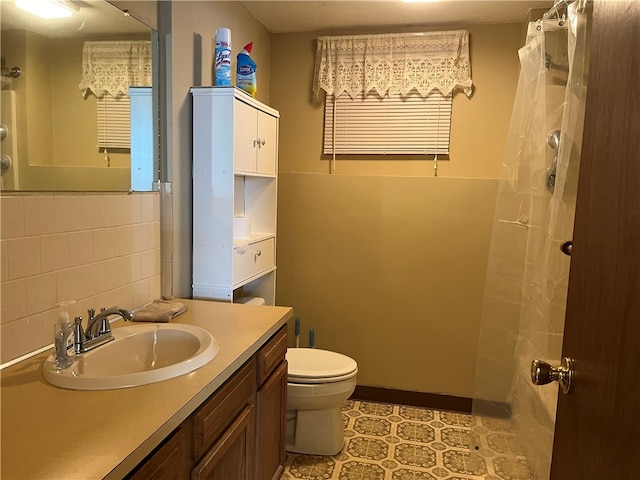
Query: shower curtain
[527,273]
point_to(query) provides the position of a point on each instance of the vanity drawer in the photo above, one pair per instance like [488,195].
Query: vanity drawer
[272,354]
[252,259]
[213,418]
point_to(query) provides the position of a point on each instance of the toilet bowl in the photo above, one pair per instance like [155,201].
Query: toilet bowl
[319,381]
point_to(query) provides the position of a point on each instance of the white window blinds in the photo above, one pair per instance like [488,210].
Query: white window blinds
[395,124]
[114,128]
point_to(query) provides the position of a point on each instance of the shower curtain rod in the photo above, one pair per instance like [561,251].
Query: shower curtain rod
[554,12]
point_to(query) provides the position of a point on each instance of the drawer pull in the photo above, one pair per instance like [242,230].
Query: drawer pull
[256,255]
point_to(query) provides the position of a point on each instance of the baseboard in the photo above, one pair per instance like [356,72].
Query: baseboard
[434,401]
[413,399]
[489,408]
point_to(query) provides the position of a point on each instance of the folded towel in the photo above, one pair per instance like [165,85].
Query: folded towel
[159,311]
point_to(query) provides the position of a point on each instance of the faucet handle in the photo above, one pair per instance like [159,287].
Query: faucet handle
[91,313]
[105,327]
[79,334]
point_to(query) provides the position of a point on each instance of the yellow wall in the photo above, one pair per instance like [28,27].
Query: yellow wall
[194,25]
[385,261]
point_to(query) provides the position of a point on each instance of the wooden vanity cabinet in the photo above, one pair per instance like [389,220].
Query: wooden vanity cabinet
[271,404]
[238,433]
[169,461]
[224,430]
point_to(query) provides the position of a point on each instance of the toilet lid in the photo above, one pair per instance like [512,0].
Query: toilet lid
[312,365]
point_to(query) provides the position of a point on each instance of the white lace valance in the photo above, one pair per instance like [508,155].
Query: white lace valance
[114,66]
[393,63]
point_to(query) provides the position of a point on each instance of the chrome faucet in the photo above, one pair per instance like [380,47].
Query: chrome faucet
[98,331]
[98,325]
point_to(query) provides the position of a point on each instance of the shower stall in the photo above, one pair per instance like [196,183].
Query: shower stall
[528,267]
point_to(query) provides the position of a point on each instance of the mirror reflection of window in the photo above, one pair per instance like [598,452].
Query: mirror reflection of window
[55,125]
[109,69]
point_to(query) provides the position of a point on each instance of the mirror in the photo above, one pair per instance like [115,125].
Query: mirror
[49,128]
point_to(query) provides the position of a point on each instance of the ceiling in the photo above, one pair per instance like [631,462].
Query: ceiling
[93,18]
[297,15]
[313,16]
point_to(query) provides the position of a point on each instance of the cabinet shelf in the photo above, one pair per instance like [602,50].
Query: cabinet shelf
[254,174]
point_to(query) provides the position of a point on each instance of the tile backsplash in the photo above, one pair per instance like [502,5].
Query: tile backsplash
[98,250]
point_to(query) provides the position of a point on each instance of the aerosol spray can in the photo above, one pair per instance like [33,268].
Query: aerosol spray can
[222,68]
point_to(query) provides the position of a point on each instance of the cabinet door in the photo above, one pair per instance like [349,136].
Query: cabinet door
[245,138]
[170,461]
[268,143]
[215,416]
[232,456]
[271,425]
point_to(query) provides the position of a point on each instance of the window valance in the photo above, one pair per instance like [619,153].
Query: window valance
[112,67]
[393,63]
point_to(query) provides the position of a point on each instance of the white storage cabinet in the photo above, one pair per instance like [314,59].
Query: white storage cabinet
[235,152]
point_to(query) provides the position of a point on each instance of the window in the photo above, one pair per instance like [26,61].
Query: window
[394,124]
[109,69]
[391,93]
[113,121]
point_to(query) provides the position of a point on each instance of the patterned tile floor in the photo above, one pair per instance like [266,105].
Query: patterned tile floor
[395,442]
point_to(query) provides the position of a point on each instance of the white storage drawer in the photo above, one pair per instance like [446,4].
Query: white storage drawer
[253,259]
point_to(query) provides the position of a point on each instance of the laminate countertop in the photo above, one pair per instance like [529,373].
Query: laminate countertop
[53,433]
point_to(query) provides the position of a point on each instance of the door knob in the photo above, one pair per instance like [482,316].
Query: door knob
[5,163]
[567,248]
[543,373]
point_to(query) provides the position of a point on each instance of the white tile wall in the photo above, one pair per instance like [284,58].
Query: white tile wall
[99,250]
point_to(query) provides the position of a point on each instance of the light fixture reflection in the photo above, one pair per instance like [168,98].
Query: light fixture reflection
[48,8]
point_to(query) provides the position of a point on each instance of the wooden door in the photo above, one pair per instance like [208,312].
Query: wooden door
[170,461]
[232,456]
[271,425]
[598,424]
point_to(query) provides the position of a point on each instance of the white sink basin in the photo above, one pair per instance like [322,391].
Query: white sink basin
[140,354]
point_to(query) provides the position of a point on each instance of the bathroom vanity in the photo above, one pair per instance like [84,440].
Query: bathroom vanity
[223,420]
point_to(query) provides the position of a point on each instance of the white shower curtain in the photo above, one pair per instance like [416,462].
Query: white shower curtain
[527,273]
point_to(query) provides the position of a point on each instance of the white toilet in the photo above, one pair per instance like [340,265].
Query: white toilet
[319,382]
